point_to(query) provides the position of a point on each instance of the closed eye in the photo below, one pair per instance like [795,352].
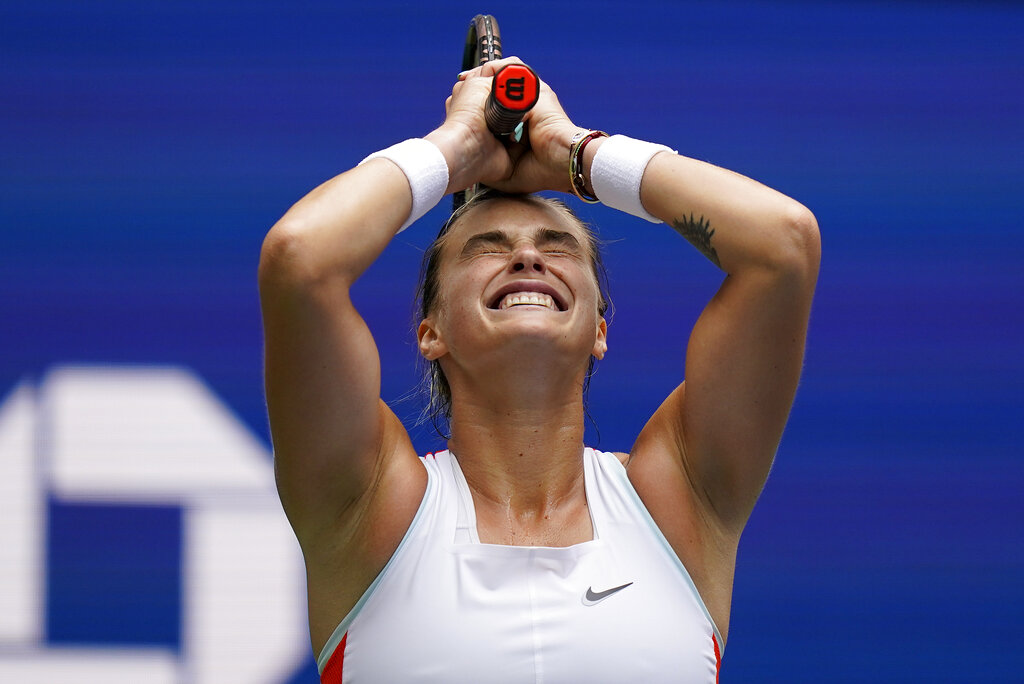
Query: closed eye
[558,242]
[494,242]
[487,251]
[552,242]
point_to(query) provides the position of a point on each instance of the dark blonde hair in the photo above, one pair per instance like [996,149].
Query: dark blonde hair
[438,392]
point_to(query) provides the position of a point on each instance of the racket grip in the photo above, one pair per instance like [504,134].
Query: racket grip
[514,92]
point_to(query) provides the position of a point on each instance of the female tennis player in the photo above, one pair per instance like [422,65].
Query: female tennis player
[518,554]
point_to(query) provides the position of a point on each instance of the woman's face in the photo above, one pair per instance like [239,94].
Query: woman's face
[515,277]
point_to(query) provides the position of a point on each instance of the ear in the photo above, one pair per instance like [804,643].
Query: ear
[432,347]
[601,343]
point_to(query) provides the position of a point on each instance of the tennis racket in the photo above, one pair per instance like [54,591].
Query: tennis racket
[514,89]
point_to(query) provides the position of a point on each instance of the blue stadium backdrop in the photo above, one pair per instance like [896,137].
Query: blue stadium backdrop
[146,147]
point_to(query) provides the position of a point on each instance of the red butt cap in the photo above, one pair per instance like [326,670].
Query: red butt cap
[516,87]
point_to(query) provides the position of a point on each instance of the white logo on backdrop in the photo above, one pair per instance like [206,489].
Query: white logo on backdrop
[149,436]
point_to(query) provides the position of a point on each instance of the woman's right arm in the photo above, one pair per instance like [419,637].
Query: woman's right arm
[334,439]
[322,371]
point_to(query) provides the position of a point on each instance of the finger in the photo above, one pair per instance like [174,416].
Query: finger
[488,69]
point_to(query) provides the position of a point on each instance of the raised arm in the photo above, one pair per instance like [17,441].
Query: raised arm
[333,436]
[719,430]
[330,429]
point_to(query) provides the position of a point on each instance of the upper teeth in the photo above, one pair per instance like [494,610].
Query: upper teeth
[535,298]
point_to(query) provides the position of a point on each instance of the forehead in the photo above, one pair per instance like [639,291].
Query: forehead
[514,217]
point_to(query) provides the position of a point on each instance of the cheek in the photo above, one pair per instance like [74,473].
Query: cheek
[589,293]
[464,285]
[454,306]
[599,302]
[452,319]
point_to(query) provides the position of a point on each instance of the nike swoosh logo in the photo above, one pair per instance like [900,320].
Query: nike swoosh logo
[593,597]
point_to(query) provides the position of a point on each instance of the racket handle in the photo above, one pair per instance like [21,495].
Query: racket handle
[514,92]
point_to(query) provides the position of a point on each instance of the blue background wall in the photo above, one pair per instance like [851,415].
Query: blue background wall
[145,149]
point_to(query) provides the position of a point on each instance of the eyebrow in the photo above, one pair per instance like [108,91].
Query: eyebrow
[542,236]
[549,235]
[493,236]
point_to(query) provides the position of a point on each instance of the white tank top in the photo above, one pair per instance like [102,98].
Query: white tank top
[446,608]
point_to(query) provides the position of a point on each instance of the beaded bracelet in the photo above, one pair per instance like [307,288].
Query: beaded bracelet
[577,182]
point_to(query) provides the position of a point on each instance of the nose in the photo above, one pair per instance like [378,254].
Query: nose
[527,258]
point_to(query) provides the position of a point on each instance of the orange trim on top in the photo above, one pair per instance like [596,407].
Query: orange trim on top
[332,671]
[718,656]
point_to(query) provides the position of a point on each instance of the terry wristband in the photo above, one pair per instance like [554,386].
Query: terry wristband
[425,168]
[617,170]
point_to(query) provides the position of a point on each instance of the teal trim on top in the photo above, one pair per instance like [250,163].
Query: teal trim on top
[342,628]
[620,472]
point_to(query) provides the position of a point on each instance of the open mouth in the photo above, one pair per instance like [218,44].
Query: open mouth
[527,299]
[527,294]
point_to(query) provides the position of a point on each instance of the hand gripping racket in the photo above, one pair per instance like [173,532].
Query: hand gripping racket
[514,89]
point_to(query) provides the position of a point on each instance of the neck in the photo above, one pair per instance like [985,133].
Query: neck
[521,453]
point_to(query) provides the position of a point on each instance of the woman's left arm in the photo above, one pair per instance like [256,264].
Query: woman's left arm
[744,356]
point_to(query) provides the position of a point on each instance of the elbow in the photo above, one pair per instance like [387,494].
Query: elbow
[286,257]
[799,242]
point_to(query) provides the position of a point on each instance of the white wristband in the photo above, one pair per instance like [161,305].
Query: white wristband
[425,168]
[617,170]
